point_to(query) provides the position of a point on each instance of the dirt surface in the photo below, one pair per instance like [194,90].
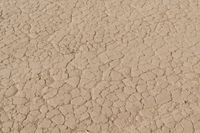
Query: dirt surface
[99,66]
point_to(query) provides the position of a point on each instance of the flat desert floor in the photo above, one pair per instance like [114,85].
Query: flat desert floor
[99,66]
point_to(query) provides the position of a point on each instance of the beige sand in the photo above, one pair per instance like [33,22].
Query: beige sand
[99,66]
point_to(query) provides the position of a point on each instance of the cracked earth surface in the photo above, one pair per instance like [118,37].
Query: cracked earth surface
[99,66]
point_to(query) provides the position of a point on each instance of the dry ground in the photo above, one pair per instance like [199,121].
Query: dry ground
[99,66]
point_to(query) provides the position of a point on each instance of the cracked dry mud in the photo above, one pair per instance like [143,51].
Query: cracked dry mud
[99,66]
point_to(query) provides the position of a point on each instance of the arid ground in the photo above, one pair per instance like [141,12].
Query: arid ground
[99,66]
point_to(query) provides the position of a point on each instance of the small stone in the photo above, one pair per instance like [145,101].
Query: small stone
[163,97]
[11,91]
[58,119]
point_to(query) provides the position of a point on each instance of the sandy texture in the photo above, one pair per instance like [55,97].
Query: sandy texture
[99,66]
